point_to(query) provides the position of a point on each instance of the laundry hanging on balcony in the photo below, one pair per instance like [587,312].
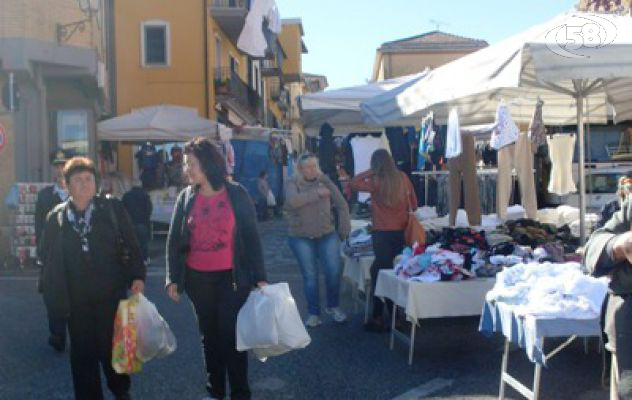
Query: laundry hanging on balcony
[252,40]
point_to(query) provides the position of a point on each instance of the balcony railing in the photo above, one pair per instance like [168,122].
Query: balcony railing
[229,85]
[230,15]
[231,4]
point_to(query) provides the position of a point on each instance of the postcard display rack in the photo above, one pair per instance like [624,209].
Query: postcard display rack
[22,220]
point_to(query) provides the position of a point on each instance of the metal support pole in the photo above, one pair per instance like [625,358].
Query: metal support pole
[11,91]
[582,171]
[503,370]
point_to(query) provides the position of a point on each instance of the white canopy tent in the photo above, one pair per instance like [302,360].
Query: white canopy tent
[166,123]
[547,61]
[341,107]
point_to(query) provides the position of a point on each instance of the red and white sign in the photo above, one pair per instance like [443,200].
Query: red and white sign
[3,137]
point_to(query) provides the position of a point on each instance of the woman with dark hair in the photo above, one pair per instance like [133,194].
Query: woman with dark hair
[85,276]
[392,197]
[214,255]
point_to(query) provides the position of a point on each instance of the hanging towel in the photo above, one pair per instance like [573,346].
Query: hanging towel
[252,40]
[561,151]
[453,146]
[506,132]
[363,148]
[537,131]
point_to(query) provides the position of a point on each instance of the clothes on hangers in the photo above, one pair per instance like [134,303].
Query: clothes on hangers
[505,131]
[519,156]
[426,141]
[561,151]
[327,151]
[252,40]
[537,130]
[400,149]
[463,171]
[453,146]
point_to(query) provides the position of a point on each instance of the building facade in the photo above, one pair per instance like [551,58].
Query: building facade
[415,54]
[54,80]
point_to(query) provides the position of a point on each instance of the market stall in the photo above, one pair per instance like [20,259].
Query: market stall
[531,303]
[157,124]
[429,300]
[526,69]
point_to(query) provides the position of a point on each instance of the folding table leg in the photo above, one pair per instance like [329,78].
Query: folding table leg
[503,371]
[411,352]
[355,296]
[367,303]
[393,325]
[585,345]
[537,375]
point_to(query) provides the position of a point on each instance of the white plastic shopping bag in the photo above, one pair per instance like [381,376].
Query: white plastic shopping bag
[271,200]
[269,323]
[155,338]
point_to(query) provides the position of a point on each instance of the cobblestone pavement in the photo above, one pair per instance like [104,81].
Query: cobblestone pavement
[452,360]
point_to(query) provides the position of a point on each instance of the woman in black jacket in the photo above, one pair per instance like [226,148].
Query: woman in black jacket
[85,276]
[214,254]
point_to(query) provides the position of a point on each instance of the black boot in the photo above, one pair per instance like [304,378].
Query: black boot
[57,343]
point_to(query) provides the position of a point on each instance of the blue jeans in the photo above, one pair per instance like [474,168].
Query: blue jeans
[327,250]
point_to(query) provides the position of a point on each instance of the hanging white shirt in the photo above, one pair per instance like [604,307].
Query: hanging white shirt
[453,146]
[506,131]
[363,148]
[252,41]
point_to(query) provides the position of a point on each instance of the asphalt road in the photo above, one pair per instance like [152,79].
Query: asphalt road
[452,360]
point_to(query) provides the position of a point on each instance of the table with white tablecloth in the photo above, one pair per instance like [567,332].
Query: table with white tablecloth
[357,271]
[529,332]
[421,300]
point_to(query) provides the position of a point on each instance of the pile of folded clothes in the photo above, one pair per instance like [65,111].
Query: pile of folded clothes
[359,243]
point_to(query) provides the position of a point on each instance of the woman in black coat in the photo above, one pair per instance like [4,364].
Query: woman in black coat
[85,276]
[214,255]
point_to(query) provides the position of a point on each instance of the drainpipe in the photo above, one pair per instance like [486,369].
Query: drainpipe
[207,100]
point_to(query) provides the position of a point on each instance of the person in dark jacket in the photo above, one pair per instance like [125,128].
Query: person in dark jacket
[609,252]
[139,207]
[214,254]
[624,188]
[85,276]
[47,199]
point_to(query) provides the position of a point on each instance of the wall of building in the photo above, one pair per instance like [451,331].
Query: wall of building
[180,83]
[30,19]
[400,64]
[290,39]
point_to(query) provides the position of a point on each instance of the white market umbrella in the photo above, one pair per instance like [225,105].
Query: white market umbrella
[156,123]
[341,107]
[547,61]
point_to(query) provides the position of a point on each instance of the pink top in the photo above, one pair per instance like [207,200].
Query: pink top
[212,224]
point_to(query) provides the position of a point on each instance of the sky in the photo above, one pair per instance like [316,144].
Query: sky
[342,35]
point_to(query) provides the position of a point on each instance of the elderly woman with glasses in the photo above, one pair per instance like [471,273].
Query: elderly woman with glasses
[315,232]
[85,275]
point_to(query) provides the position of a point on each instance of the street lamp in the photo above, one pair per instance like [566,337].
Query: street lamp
[65,31]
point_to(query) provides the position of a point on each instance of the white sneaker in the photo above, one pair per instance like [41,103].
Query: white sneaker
[313,321]
[337,314]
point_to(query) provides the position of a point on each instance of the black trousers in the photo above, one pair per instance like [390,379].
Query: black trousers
[57,327]
[143,234]
[216,305]
[386,245]
[618,323]
[91,327]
